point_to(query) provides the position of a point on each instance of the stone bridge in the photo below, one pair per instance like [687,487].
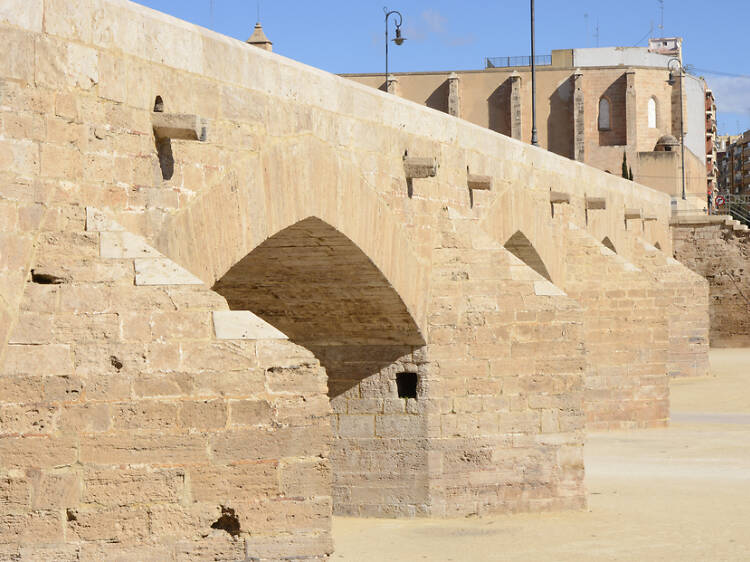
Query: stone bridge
[239,294]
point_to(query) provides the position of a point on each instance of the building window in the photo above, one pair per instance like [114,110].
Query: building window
[604,121]
[652,113]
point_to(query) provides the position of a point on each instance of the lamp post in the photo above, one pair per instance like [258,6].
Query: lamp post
[398,40]
[534,140]
[671,82]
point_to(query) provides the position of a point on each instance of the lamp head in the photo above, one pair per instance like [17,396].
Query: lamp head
[671,79]
[398,40]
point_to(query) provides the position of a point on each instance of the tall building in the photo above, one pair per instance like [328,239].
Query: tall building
[734,164]
[599,106]
[711,147]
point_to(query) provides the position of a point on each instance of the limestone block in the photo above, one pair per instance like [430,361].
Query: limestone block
[120,245]
[162,271]
[17,62]
[420,167]
[97,221]
[243,325]
[178,126]
[596,203]
[60,63]
[633,214]
[547,289]
[479,182]
[26,14]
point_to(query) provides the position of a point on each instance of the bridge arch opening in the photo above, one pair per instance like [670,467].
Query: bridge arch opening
[606,242]
[521,247]
[318,287]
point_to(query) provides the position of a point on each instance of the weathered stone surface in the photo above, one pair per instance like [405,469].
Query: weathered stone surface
[243,325]
[162,271]
[438,355]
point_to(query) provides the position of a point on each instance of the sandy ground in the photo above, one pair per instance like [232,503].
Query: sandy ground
[675,494]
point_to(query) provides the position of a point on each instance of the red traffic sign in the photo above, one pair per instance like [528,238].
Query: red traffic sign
[719,201]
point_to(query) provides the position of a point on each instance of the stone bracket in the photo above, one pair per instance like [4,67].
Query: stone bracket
[420,167]
[559,197]
[183,126]
[476,181]
[633,214]
[650,218]
[596,203]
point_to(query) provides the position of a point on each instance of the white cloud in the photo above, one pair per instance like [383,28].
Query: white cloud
[434,20]
[732,93]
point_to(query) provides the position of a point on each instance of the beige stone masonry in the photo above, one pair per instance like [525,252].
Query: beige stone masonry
[243,325]
[178,126]
[444,347]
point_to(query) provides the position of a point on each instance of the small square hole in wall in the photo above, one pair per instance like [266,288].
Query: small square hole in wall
[406,384]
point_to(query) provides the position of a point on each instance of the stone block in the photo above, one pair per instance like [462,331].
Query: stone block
[178,126]
[243,324]
[26,14]
[162,271]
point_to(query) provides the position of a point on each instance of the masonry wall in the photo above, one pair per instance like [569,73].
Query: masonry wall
[687,301]
[138,422]
[718,249]
[285,144]
[625,334]
[505,412]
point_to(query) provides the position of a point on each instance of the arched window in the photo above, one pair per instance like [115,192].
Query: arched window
[652,113]
[604,121]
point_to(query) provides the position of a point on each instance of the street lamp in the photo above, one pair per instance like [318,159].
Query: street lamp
[534,140]
[671,82]
[398,40]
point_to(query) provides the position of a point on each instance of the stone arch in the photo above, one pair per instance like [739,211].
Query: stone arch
[520,246]
[291,182]
[607,243]
[326,294]
[314,284]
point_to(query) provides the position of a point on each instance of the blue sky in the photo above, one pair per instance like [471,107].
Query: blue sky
[347,36]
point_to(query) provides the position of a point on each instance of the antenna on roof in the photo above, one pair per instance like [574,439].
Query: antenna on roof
[586,26]
[596,34]
[661,8]
[648,34]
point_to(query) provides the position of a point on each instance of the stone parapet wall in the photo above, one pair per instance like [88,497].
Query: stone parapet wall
[718,249]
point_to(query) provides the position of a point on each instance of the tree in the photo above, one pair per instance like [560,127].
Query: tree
[625,166]
[631,173]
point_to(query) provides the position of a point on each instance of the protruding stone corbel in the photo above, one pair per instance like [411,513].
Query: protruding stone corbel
[183,126]
[633,214]
[420,167]
[650,218]
[559,197]
[475,181]
[596,203]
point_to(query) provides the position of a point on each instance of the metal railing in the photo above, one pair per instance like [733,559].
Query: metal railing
[504,62]
[740,214]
